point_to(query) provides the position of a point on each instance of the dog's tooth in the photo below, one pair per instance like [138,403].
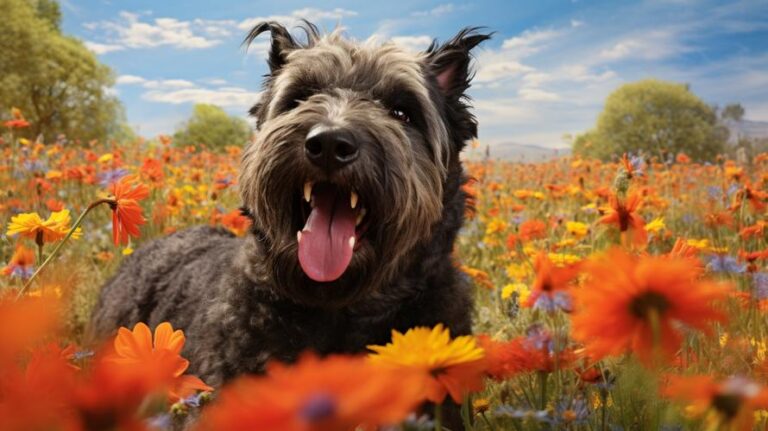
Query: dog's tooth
[298,236]
[360,216]
[351,242]
[308,191]
[353,200]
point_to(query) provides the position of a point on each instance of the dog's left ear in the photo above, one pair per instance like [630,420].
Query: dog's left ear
[449,62]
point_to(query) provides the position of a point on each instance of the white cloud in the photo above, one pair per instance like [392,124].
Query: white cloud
[412,43]
[576,23]
[651,45]
[131,32]
[228,97]
[436,11]
[537,95]
[153,84]
[130,79]
[499,69]
[312,15]
[102,48]
[530,41]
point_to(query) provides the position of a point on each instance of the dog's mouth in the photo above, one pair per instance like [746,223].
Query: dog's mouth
[334,223]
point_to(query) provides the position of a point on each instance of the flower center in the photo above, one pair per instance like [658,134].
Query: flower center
[319,406]
[727,404]
[643,304]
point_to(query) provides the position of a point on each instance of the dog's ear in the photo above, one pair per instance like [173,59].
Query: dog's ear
[449,62]
[282,43]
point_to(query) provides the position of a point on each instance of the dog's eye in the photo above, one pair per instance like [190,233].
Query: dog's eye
[400,115]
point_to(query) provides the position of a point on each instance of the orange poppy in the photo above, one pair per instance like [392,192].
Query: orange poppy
[552,283]
[21,264]
[524,354]
[532,229]
[637,303]
[126,211]
[160,360]
[333,394]
[624,215]
[733,400]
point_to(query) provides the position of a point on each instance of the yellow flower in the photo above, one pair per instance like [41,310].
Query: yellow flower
[700,244]
[53,174]
[496,226]
[127,251]
[522,290]
[106,158]
[656,225]
[518,271]
[562,259]
[30,225]
[447,366]
[577,229]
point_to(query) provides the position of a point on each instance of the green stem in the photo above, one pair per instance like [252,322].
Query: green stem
[60,245]
[438,417]
[543,388]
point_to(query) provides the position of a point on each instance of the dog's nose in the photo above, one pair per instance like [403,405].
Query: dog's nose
[331,149]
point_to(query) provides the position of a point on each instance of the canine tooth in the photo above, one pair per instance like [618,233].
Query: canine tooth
[351,242]
[353,200]
[308,191]
[298,236]
[360,216]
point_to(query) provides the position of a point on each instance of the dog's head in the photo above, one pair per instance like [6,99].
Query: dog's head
[348,171]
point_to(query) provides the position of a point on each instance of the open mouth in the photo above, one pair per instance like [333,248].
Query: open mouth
[335,221]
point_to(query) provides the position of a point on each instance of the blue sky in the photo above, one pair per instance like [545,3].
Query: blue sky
[545,74]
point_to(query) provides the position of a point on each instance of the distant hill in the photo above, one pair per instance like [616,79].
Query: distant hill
[747,129]
[520,152]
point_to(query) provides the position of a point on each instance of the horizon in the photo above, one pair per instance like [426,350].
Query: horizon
[545,74]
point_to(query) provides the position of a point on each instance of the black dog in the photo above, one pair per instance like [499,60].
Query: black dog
[354,187]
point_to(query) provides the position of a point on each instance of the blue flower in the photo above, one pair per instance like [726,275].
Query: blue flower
[553,301]
[724,263]
[760,281]
[110,177]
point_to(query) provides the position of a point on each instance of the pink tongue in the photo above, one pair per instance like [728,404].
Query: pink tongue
[324,247]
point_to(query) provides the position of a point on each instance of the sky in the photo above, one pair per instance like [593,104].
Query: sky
[544,75]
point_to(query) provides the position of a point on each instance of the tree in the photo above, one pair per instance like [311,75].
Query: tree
[734,112]
[657,118]
[212,128]
[54,79]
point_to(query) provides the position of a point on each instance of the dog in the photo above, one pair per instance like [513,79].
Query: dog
[354,185]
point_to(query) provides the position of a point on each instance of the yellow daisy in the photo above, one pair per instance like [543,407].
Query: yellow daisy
[447,366]
[31,225]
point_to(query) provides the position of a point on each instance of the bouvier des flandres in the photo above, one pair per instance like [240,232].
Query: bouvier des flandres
[353,183]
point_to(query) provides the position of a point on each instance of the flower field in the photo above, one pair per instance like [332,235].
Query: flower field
[625,295]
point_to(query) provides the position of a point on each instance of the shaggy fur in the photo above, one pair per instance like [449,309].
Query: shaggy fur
[245,301]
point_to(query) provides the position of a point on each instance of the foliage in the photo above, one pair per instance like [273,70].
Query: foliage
[656,118]
[58,83]
[212,128]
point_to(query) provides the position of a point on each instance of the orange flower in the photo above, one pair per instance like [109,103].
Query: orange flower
[333,394]
[18,120]
[532,229]
[160,361]
[637,303]
[627,165]
[625,217]
[21,264]
[236,222]
[733,400]
[552,283]
[525,354]
[23,324]
[126,211]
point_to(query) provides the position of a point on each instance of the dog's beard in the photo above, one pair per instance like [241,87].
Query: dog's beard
[330,238]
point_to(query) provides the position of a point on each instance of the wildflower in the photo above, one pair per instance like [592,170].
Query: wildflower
[21,264]
[724,263]
[18,121]
[550,288]
[32,226]
[447,366]
[732,402]
[159,358]
[636,303]
[236,222]
[126,212]
[535,352]
[532,229]
[624,216]
[336,393]
[577,229]
[520,289]
[655,226]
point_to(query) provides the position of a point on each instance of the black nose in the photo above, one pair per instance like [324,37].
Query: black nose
[331,149]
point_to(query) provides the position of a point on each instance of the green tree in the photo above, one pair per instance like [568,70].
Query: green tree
[54,79]
[212,128]
[734,112]
[657,118]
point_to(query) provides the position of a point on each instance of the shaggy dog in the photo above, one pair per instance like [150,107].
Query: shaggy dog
[353,183]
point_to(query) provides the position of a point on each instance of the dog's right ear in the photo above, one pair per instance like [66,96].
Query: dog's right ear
[282,43]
